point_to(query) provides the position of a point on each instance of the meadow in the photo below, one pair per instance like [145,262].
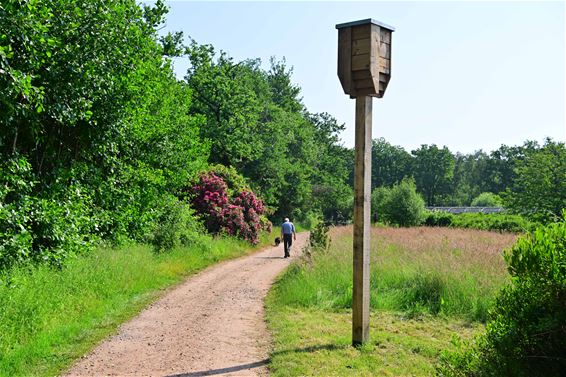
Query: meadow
[51,317]
[430,288]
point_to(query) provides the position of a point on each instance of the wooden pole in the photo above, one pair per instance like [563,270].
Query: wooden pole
[362,202]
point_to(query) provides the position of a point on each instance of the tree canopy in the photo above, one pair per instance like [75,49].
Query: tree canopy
[99,139]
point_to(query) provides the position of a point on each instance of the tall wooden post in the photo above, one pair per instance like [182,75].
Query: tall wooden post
[362,203]
[364,70]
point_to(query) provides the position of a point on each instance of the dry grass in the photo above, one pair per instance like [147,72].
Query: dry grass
[418,270]
[427,286]
[420,239]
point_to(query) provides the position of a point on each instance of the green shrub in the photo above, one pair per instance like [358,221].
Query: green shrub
[319,237]
[436,218]
[176,226]
[379,197]
[400,205]
[308,220]
[487,199]
[46,227]
[493,221]
[499,222]
[526,333]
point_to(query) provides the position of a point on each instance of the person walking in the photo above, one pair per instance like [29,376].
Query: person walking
[288,234]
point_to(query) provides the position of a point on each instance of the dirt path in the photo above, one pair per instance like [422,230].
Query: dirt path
[213,324]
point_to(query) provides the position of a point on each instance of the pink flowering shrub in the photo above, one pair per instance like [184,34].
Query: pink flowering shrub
[209,199]
[239,215]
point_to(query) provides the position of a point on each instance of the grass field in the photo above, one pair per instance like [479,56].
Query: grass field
[428,286]
[49,318]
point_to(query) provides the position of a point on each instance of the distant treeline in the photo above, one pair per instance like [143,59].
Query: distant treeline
[528,179]
[100,141]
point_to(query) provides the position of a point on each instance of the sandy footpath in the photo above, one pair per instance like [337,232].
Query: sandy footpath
[212,324]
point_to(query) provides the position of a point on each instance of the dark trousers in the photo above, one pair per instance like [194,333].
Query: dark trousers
[287,242]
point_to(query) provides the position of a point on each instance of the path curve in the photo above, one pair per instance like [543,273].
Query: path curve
[212,324]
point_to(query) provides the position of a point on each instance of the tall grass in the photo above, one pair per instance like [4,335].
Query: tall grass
[416,270]
[48,318]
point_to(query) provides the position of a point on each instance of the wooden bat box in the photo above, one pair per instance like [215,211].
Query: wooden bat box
[364,57]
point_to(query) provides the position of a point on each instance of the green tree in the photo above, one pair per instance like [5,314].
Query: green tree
[487,199]
[284,93]
[332,195]
[91,103]
[539,189]
[433,170]
[470,177]
[399,205]
[253,123]
[389,164]
[256,122]
[501,164]
[233,98]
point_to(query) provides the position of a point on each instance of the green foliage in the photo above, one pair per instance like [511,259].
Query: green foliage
[501,165]
[16,184]
[176,226]
[495,221]
[319,238]
[400,205]
[487,199]
[539,190]
[433,170]
[500,222]
[230,95]
[331,193]
[379,197]
[284,93]
[50,318]
[47,228]
[438,218]
[236,183]
[307,221]
[389,164]
[257,124]
[525,334]
[93,109]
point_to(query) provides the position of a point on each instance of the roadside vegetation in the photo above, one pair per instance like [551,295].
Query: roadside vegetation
[51,317]
[428,285]
[448,283]
[526,327]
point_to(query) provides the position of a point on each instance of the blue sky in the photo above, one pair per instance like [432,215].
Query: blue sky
[468,75]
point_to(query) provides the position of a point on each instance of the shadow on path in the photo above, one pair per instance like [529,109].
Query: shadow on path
[237,368]
[213,372]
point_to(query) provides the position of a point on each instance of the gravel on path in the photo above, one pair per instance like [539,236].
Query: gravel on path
[212,324]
